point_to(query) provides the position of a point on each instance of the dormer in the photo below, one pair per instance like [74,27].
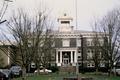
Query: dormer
[65,23]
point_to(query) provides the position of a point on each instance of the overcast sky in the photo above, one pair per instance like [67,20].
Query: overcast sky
[87,9]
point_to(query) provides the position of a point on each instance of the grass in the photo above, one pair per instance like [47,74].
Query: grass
[101,76]
[61,76]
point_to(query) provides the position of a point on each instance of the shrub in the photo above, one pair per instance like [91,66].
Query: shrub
[53,68]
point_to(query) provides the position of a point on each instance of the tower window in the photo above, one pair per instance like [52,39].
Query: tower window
[65,22]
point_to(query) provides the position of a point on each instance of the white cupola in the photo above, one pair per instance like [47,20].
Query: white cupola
[65,23]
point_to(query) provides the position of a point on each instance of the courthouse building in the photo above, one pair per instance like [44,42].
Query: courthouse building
[73,47]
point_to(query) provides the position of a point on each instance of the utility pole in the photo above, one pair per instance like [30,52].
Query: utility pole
[82,52]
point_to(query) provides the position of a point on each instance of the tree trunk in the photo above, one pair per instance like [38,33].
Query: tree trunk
[23,73]
[96,70]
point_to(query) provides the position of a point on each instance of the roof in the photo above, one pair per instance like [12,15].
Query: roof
[65,17]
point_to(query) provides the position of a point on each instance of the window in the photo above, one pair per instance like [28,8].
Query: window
[65,22]
[79,57]
[78,42]
[88,43]
[101,43]
[88,51]
[92,51]
[53,45]
[52,58]
[79,51]
[102,65]
[66,42]
[90,65]
[89,54]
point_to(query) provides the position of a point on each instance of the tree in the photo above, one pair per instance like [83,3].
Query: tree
[97,43]
[47,48]
[96,51]
[110,26]
[27,36]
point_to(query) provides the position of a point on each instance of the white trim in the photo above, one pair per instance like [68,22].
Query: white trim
[71,57]
[56,56]
[60,56]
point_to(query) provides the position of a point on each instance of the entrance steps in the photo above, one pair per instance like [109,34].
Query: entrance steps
[68,69]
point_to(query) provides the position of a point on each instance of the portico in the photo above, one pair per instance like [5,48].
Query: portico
[66,57]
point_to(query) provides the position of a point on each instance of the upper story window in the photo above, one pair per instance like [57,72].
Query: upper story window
[89,54]
[88,51]
[79,51]
[53,44]
[66,42]
[65,22]
[88,43]
[78,42]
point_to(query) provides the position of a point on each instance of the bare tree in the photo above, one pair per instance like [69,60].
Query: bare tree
[42,47]
[110,26]
[96,51]
[47,48]
[97,43]
[27,36]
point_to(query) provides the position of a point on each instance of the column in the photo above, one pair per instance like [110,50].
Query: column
[71,57]
[60,56]
[75,57]
[57,57]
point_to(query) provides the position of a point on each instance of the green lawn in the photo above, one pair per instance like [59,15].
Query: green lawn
[61,76]
[101,77]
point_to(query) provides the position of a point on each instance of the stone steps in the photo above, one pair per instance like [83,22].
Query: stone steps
[67,69]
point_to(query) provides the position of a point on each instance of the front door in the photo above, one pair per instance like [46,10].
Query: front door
[66,61]
[66,58]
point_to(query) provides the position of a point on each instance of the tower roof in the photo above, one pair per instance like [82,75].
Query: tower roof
[65,17]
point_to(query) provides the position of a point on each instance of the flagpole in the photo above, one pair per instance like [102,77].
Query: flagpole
[76,14]
[77,66]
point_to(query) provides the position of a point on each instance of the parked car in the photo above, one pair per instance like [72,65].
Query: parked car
[16,71]
[5,74]
[116,71]
[43,70]
[2,76]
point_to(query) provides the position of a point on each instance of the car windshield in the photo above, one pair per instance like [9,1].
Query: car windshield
[16,68]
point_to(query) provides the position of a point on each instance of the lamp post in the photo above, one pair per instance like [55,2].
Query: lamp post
[3,21]
[3,10]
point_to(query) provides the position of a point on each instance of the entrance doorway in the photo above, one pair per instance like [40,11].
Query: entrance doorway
[65,61]
[66,58]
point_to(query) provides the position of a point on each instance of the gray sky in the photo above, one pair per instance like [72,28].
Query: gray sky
[87,9]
